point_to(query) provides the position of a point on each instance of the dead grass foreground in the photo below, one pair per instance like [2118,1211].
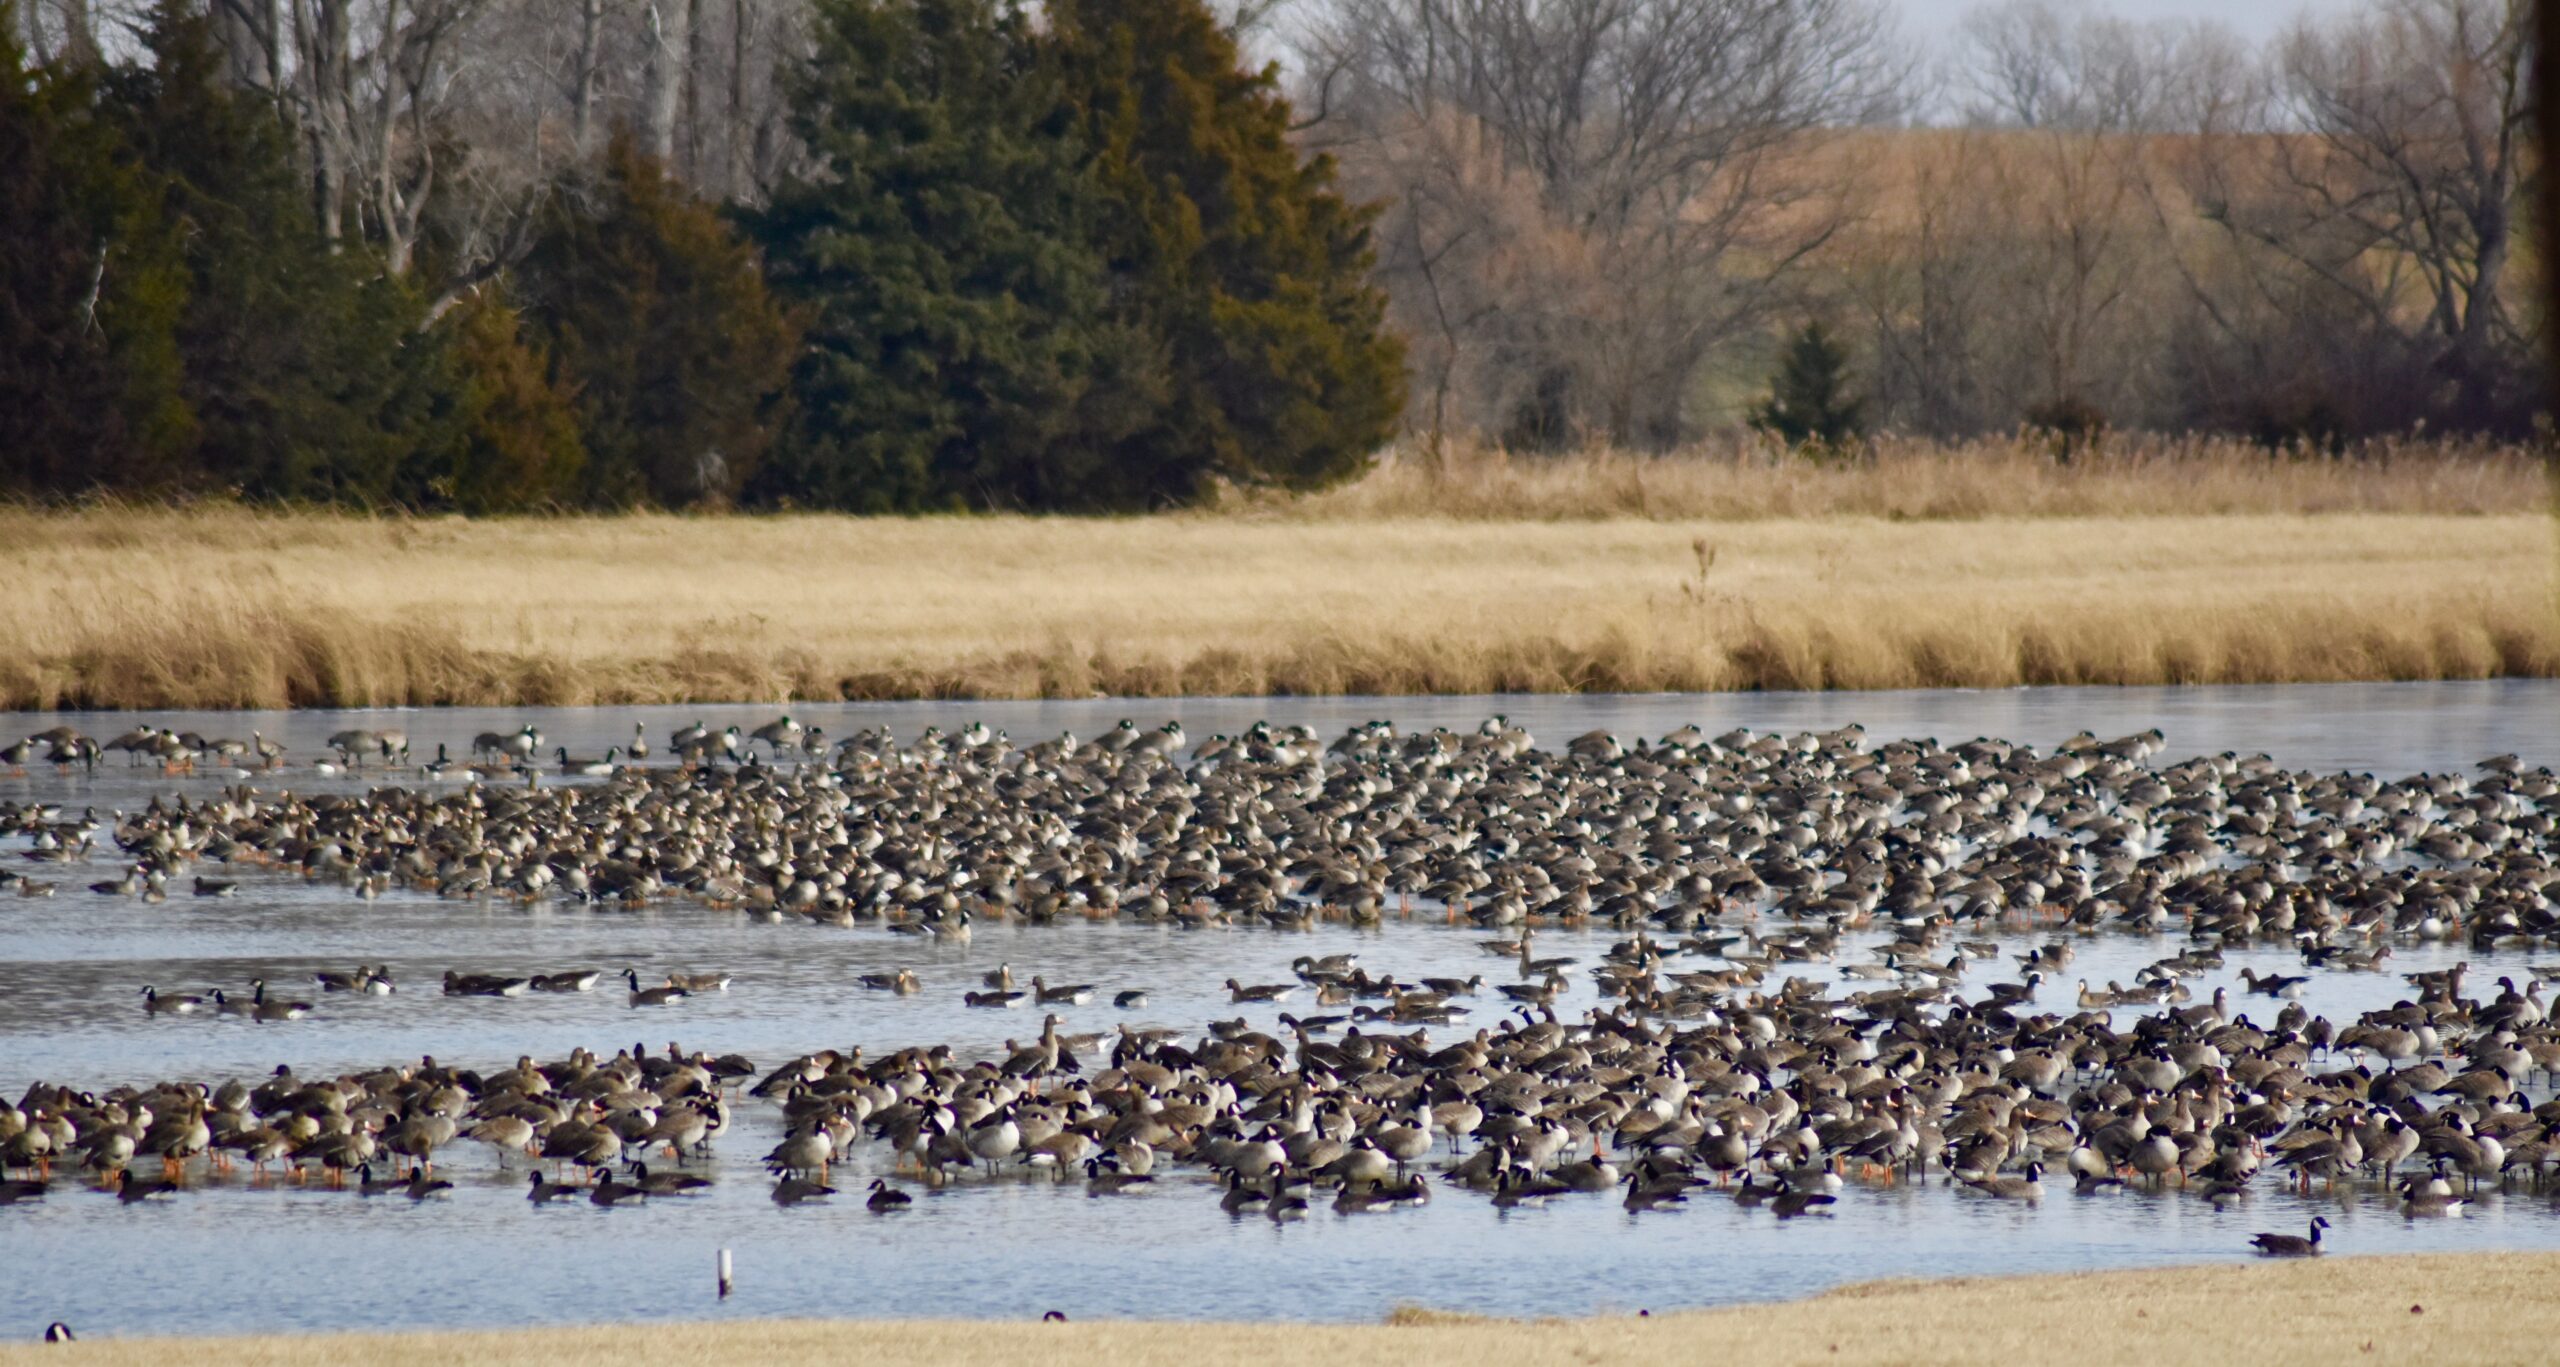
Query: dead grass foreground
[2440,1309]
[225,608]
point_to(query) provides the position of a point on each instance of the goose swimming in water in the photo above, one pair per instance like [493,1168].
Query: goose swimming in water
[652,996]
[2291,1245]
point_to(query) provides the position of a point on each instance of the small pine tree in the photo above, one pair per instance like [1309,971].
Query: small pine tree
[1809,401]
[518,447]
[656,314]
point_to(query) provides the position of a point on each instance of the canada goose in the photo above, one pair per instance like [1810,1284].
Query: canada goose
[58,1332]
[1129,1000]
[2422,1198]
[589,768]
[177,1004]
[778,734]
[791,1191]
[638,749]
[2291,1245]
[1240,1197]
[543,1190]
[1791,1202]
[666,1183]
[1104,1177]
[1285,1206]
[610,1191]
[484,985]
[131,1189]
[887,1198]
[2027,1188]
[368,1185]
[265,1010]
[2273,984]
[651,996]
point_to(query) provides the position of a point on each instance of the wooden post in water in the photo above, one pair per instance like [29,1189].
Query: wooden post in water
[724,1274]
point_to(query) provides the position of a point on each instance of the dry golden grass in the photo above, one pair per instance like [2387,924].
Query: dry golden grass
[221,607]
[2443,1309]
[1744,479]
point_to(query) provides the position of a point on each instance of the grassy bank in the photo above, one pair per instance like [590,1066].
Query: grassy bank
[2484,1308]
[226,608]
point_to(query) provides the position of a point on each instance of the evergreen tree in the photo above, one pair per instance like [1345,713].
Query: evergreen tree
[1809,402]
[957,351]
[657,316]
[306,372]
[90,294]
[1241,259]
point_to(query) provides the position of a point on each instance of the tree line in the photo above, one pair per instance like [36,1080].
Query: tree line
[1614,220]
[1076,264]
[890,255]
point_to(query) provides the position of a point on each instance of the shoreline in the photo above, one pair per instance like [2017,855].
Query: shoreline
[2432,1308]
[223,609]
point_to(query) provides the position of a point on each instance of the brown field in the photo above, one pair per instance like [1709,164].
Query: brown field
[2441,1309]
[1608,574]
[1745,479]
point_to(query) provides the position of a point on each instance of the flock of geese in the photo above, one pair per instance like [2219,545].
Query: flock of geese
[493,754]
[1737,1046]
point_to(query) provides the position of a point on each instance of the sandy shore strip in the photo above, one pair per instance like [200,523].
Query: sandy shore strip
[2438,1309]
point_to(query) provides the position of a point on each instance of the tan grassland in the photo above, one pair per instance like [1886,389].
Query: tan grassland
[1516,578]
[1744,479]
[2439,1309]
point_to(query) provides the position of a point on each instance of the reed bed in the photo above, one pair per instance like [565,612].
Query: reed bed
[223,607]
[2120,475]
[2440,1309]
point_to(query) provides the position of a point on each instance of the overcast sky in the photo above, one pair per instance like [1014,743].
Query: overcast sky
[2254,19]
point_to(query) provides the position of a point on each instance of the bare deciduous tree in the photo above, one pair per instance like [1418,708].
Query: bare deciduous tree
[2065,64]
[2389,171]
[670,25]
[1644,154]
